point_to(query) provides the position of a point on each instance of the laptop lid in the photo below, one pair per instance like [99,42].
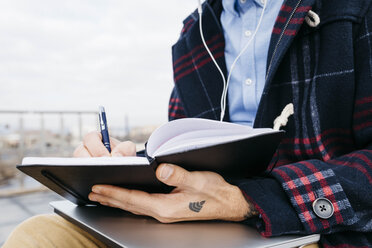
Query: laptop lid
[118,228]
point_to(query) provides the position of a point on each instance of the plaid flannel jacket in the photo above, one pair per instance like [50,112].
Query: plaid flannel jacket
[326,72]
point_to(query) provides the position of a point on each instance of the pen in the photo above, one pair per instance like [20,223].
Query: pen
[103,127]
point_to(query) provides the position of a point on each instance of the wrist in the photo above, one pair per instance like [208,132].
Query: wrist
[241,207]
[251,210]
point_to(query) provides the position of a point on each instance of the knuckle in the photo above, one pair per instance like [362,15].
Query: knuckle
[163,220]
[100,153]
[114,141]
[163,217]
[104,191]
[89,136]
[78,150]
[128,147]
[136,212]
[200,182]
[181,177]
[199,187]
[92,143]
[107,191]
[166,215]
[129,143]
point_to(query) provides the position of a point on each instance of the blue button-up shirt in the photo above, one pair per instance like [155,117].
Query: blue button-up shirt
[239,20]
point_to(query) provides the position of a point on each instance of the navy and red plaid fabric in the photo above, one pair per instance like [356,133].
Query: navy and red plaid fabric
[326,72]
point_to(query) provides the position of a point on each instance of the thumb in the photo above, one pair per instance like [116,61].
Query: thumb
[174,175]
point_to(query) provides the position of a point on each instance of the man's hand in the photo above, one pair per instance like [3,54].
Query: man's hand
[197,196]
[92,146]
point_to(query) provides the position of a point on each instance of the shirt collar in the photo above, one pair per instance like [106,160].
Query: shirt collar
[237,7]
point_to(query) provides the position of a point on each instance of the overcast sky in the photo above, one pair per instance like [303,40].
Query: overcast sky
[78,54]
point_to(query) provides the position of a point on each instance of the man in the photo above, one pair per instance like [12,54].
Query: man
[321,180]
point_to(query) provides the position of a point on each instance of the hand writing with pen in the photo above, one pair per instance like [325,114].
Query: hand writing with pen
[199,195]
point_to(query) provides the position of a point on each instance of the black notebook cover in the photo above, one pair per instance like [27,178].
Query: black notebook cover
[236,159]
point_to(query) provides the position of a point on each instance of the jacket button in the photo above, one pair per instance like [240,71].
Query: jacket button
[323,208]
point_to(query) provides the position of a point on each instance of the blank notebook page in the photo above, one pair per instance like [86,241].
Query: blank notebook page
[85,161]
[205,138]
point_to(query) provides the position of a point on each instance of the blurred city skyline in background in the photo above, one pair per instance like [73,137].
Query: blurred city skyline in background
[75,55]
[58,57]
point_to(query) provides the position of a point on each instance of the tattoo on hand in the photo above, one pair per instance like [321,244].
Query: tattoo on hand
[196,206]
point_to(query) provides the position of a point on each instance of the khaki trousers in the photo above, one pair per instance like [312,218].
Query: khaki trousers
[50,231]
[53,231]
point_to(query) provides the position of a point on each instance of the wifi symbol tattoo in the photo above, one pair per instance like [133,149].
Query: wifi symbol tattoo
[196,206]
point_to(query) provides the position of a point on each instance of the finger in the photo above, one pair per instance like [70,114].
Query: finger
[130,200]
[159,206]
[174,175]
[81,151]
[110,202]
[114,142]
[104,200]
[93,143]
[126,148]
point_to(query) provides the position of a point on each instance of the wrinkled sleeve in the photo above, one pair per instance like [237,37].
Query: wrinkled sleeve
[285,199]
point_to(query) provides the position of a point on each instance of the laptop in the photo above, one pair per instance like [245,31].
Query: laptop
[118,228]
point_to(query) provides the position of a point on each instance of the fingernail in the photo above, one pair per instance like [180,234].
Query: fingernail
[166,171]
[91,197]
[95,189]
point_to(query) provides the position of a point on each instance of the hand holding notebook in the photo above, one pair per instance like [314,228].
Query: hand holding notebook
[229,149]
[186,184]
[197,196]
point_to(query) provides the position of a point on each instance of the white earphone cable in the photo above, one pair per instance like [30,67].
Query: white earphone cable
[226,83]
[212,57]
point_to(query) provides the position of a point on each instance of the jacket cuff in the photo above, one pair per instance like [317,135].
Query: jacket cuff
[276,214]
[307,182]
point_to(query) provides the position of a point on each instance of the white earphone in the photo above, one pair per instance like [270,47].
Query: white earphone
[226,82]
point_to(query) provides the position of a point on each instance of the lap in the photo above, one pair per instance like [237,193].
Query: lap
[50,231]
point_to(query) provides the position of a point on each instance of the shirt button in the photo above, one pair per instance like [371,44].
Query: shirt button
[243,1]
[247,33]
[323,208]
[248,81]
[263,1]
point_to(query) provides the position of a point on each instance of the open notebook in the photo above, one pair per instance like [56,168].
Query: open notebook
[196,144]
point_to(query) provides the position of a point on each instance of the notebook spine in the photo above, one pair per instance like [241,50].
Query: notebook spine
[153,163]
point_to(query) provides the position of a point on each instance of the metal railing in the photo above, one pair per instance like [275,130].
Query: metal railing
[12,154]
